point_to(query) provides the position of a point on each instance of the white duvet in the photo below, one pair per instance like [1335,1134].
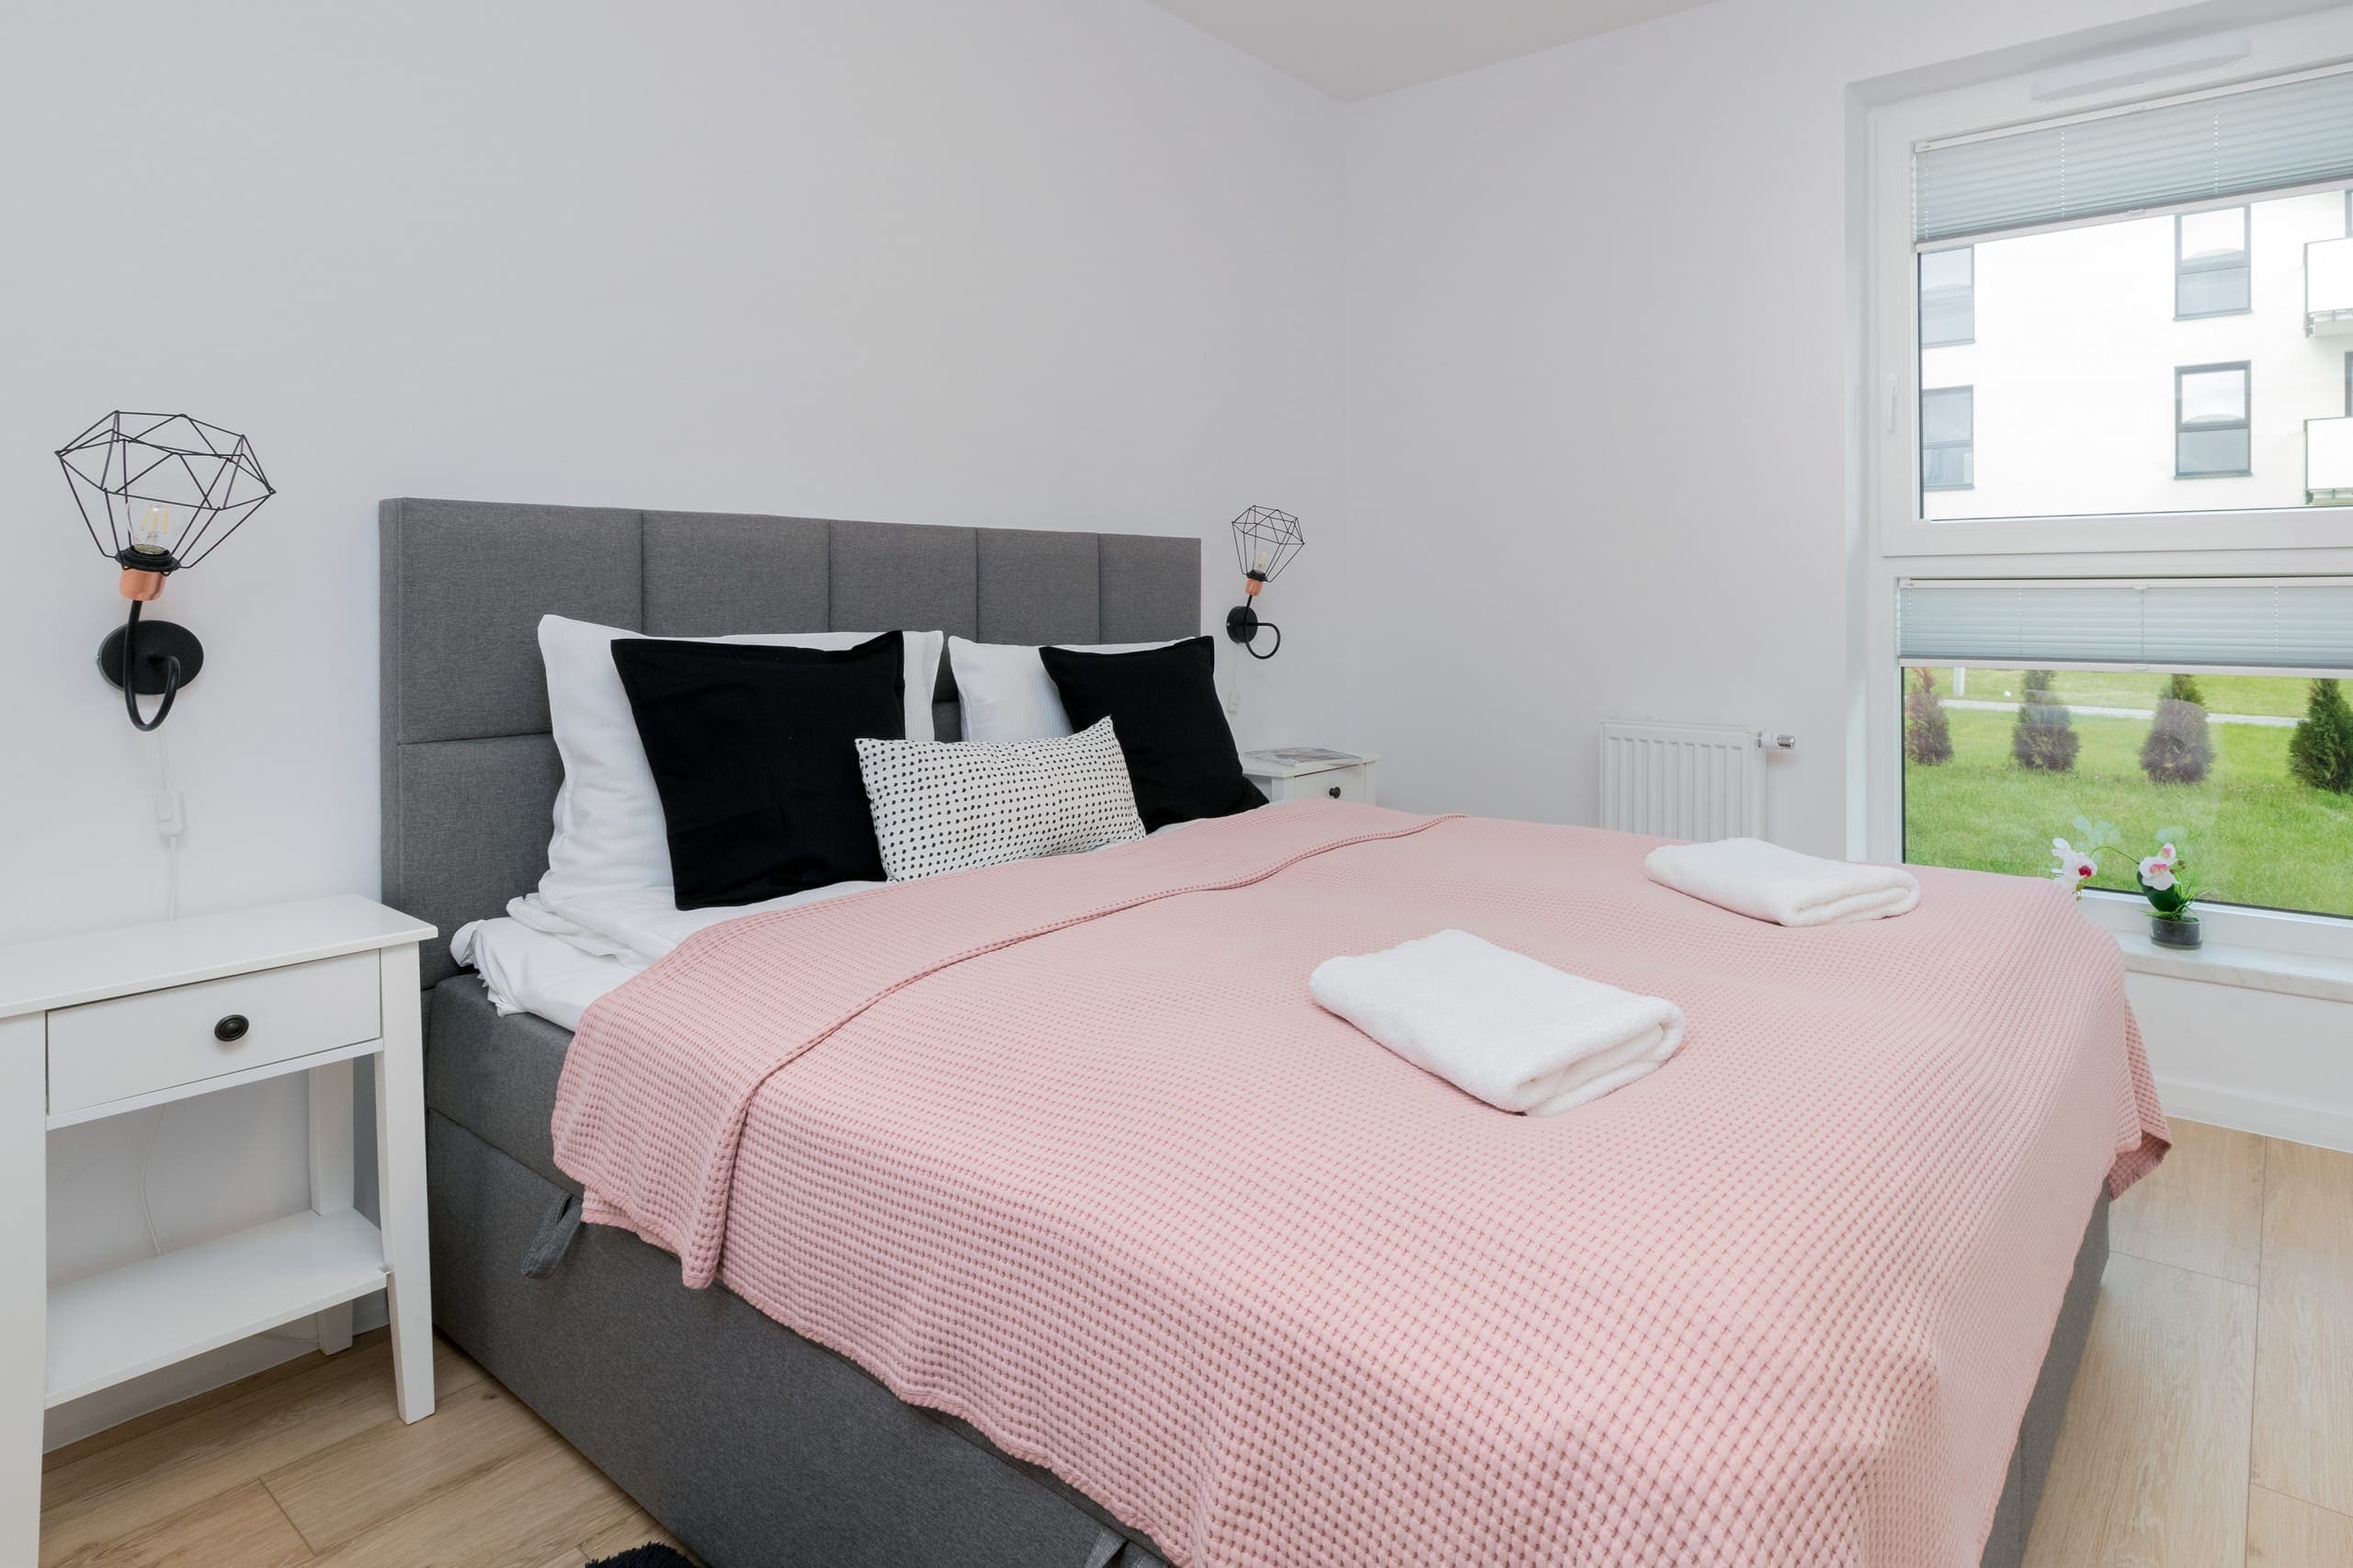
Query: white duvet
[554,957]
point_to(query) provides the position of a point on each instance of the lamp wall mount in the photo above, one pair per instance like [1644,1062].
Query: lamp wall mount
[1243,624]
[159,658]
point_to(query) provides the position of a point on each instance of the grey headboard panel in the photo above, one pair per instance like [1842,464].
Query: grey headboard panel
[469,771]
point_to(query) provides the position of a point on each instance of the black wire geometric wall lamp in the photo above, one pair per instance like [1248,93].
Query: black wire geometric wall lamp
[1264,541]
[170,488]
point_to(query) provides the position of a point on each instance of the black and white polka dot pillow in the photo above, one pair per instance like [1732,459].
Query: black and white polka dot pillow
[949,806]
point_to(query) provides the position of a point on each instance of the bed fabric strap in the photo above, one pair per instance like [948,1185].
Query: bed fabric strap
[553,1238]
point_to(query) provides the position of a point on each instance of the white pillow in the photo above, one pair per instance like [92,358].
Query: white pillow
[609,825]
[941,806]
[1006,692]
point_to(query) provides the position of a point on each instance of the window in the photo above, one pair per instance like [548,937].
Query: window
[2170,708]
[1948,439]
[2067,269]
[2210,263]
[1947,296]
[2104,256]
[2212,439]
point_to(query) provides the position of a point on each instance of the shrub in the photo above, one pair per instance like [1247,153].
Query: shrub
[2044,739]
[2178,750]
[2321,751]
[1927,734]
[2182,688]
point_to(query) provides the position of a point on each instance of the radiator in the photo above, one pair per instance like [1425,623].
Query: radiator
[1695,781]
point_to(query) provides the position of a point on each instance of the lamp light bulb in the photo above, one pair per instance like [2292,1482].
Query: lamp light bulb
[1264,556]
[155,526]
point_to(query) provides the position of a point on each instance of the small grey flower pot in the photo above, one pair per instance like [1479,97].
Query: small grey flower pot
[2167,931]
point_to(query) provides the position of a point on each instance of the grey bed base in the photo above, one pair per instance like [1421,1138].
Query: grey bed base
[754,1445]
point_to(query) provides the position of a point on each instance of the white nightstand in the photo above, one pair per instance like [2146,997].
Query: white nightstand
[123,1021]
[1341,776]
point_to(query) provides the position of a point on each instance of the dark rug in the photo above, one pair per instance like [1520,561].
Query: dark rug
[646,1556]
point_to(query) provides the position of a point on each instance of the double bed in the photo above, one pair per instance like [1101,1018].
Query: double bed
[1163,1264]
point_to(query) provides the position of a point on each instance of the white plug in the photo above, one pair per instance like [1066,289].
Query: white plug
[171,814]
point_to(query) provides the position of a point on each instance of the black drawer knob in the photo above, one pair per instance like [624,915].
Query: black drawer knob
[1333,791]
[232,1029]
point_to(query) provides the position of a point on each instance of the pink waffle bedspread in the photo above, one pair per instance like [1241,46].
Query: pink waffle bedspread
[1065,1149]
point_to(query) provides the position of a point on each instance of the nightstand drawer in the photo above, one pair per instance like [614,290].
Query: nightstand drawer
[1333,784]
[135,1045]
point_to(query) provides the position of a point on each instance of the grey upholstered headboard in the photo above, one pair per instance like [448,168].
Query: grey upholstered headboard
[470,770]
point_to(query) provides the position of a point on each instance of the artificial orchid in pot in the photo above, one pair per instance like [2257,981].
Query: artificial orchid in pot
[2164,880]
[2080,863]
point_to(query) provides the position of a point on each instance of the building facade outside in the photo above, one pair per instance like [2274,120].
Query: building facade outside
[2179,363]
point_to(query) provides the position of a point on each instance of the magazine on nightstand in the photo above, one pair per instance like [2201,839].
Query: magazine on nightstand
[1286,762]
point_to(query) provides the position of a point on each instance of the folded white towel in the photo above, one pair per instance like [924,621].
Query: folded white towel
[1765,881]
[1518,1034]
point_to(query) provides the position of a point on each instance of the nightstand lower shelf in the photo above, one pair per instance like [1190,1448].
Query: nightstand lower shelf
[116,1326]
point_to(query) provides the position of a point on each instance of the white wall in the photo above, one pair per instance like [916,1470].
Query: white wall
[1043,263]
[2261,1060]
[1599,363]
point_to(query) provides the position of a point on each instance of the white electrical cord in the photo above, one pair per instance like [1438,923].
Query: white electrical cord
[167,813]
[170,822]
[146,1160]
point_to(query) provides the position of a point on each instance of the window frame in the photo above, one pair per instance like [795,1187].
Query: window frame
[1888,540]
[2183,267]
[2244,423]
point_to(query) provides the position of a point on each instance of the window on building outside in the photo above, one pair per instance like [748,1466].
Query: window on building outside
[2211,276]
[1947,296]
[2212,435]
[1948,438]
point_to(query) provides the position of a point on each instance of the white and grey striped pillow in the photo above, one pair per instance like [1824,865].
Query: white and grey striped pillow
[949,806]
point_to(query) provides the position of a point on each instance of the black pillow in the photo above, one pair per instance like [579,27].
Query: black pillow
[754,750]
[1163,705]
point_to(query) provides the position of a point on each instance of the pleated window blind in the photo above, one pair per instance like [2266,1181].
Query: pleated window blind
[2299,624]
[2237,143]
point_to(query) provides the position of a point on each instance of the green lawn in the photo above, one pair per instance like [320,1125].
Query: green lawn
[2253,834]
[2278,695]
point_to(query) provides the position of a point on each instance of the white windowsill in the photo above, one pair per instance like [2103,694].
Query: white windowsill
[2297,955]
[2254,969]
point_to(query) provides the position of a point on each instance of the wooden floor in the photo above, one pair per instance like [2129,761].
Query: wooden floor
[308,1463]
[2211,1424]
